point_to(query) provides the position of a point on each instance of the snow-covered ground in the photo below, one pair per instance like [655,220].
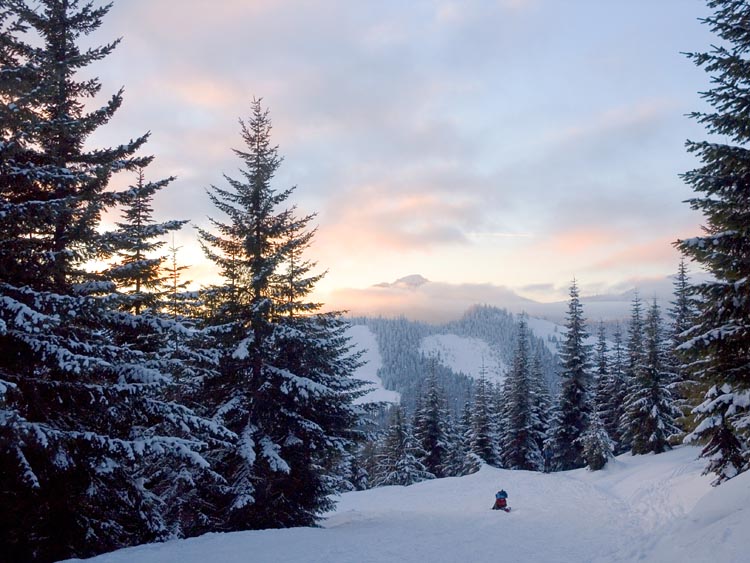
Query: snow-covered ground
[362,338]
[548,331]
[465,355]
[650,508]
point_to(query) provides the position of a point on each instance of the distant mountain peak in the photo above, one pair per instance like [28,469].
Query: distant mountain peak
[412,281]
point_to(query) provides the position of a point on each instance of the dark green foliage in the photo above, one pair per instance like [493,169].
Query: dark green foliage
[685,387]
[431,427]
[82,419]
[633,365]
[612,392]
[481,435]
[398,460]
[650,411]
[521,437]
[718,343]
[136,271]
[283,384]
[572,418]
[597,445]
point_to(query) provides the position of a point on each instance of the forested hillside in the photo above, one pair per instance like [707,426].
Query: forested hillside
[406,367]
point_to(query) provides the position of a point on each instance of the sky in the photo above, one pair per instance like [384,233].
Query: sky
[497,146]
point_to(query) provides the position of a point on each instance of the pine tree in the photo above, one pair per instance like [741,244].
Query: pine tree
[398,462]
[542,406]
[720,337]
[431,428]
[180,303]
[601,375]
[284,381]
[597,445]
[481,435]
[683,311]
[683,314]
[634,364]
[573,409]
[457,452]
[83,418]
[614,391]
[520,443]
[137,271]
[649,408]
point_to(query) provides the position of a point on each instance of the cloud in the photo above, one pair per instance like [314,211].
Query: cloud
[439,301]
[480,135]
[379,218]
[429,301]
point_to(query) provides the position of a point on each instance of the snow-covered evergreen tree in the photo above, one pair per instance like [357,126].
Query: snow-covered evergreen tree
[431,428]
[284,381]
[542,407]
[137,271]
[457,451]
[634,364]
[601,360]
[571,420]
[614,390]
[520,442]
[398,461]
[650,409]
[481,436]
[720,337]
[683,313]
[81,418]
[597,445]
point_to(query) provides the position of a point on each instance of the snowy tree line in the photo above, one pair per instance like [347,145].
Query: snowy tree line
[405,363]
[691,379]
[131,410]
[632,397]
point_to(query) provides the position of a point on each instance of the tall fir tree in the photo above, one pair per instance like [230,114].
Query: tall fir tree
[542,407]
[284,382]
[137,271]
[431,428]
[683,314]
[519,441]
[481,434]
[634,364]
[398,461]
[571,420]
[614,390]
[650,409]
[598,447]
[82,418]
[720,337]
[457,453]
[601,358]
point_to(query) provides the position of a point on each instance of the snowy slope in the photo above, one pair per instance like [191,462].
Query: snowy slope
[643,508]
[548,331]
[464,355]
[362,338]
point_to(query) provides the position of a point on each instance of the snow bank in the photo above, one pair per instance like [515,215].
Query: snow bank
[642,508]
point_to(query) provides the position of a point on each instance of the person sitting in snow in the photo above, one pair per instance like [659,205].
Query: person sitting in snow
[501,500]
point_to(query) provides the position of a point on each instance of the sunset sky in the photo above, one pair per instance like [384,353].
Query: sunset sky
[482,144]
